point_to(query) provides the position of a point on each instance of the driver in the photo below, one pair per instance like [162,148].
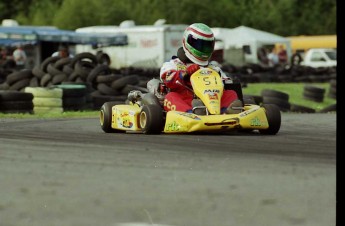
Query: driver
[197,47]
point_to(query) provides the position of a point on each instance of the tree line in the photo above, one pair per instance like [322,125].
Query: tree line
[282,17]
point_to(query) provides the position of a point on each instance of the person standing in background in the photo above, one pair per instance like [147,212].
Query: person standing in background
[19,56]
[62,52]
[282,55]
[273,58]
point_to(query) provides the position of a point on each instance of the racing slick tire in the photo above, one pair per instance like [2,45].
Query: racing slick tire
[151,119]
[105,117]
[273,118]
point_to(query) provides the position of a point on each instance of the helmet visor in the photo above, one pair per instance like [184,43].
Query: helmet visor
[204,46]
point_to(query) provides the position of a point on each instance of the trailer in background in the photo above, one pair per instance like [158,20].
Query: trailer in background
[301,44]
[149,46]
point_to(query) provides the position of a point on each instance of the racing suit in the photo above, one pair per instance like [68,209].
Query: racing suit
[179,98]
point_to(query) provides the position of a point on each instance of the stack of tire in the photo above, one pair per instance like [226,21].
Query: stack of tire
[46,100]
[74,96]
[114,87]
[17,80]
[314,93]
[332,93]
[332,89]
[278,98]
[12,101]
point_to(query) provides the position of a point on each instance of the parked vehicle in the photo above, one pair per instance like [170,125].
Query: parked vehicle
[319,58]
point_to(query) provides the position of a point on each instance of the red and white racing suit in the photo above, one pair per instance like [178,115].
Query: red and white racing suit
[179,98]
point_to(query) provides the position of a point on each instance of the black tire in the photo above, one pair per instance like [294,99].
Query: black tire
[275,93]
[21,84]
[98,70]
[301,109]
[59,64]
[17,105]
[107,90]
[329,108]
[38,72]
[15,96]
[273,118]
[84,56]
[107,78]
[282,104]
[53,70]
[105,117]
[151,119]
[103,59]
[123,81]
[47,61]
[249,100]
[18,75]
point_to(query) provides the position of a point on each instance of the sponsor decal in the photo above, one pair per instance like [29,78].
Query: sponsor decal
[189,115]
[126,123]
[257,122]
[211,91]
[123,114]
[205,71]
[174,126]
[213,96]
[168,105]
[124,120]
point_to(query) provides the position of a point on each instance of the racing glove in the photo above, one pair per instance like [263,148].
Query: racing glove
[192,68]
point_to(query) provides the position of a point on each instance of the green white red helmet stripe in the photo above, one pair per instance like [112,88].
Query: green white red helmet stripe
[201,33]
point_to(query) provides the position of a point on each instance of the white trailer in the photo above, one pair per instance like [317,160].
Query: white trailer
[149,46]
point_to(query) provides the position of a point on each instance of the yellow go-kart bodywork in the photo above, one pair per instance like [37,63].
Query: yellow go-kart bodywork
[208,86]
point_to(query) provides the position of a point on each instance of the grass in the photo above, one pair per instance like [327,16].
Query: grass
[294,90]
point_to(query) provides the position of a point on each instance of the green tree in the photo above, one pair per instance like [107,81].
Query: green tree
[282,17]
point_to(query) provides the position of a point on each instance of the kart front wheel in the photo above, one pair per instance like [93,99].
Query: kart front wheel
[105,115]
[151,119]
[273,118]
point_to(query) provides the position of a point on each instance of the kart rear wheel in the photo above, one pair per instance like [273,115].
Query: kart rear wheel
[151,119]
[273,118]
[105,115]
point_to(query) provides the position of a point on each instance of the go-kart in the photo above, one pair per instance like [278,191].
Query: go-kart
[144,113]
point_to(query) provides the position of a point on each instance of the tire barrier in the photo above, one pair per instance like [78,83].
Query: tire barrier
[301,109]
[278,98]
[46,100]
[253,73]
[313,93]
[106,84]
[74,97]
[16,102]
[332,89]
[329,108]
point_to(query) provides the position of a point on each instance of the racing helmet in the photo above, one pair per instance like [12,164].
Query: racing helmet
[198,43]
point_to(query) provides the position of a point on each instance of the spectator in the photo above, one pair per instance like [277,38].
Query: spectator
[282,55]
[273,59]
[62,52]
[19,56]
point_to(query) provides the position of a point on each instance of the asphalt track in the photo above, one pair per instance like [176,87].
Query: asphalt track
[68,172]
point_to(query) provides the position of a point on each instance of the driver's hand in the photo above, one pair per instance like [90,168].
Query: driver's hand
[192,68]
